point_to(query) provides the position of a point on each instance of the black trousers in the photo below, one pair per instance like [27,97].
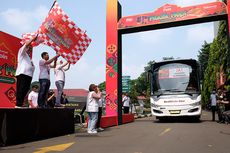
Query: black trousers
[126,110]
[99,117]
[22,88]
[213,112]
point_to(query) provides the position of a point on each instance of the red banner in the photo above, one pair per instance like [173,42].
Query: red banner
[172,13]
[9,46]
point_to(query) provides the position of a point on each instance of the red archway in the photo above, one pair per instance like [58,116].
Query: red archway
[164,17]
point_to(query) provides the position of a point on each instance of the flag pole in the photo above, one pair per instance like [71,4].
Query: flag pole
[53,5]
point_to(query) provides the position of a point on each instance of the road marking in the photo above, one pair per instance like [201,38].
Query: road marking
[210,146]
[61,147]
[165,131]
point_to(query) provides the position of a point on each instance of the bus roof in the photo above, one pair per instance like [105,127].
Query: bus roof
[191,62]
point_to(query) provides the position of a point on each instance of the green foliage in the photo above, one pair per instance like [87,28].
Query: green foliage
[102,86]
[212,57]
[203,56]
[140,86]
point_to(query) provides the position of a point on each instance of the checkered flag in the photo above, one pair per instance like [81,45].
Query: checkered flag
[28,36]
[62,34]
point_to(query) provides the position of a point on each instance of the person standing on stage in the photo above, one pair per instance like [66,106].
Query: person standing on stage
[24,72]
[59,72]
[44,77]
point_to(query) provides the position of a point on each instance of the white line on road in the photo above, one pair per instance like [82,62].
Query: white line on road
[165,131]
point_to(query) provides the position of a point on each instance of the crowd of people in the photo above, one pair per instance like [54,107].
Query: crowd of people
[41,96]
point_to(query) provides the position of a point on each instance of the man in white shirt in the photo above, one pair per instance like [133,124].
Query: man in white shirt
[24,72]
[125,102]
[213,104]
[44,77]
[59,72]
[33,97]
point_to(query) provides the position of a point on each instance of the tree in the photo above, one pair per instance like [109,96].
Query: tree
[203,56]
[102,86]
[218,57]
[140,86]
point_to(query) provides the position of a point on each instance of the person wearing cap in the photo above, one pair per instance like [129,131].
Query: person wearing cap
[92,107]
[33,97]
[24,72]
[59,72]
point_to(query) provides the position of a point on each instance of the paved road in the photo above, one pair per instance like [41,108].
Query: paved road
[145,135]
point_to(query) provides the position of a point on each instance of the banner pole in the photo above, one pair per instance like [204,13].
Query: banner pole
[53,5]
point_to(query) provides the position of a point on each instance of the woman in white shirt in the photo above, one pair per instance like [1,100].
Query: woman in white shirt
[59,72]
[92,107]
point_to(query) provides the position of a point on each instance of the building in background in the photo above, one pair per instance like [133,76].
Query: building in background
[76,97]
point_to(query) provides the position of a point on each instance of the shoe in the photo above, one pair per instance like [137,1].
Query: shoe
[100,129]
[20,107]
[92,132]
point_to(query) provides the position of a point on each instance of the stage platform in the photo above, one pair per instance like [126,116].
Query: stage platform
[24,124]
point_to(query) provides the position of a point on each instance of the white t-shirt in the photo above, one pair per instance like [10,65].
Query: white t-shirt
[25,64]
[33,96]
[59,73]
[44,70]
[91,103]
[100,103]
[126,101]
[213,99]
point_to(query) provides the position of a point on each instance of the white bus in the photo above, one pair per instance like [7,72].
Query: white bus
[175,88]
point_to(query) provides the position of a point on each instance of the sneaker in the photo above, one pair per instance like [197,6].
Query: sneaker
[92,132]
[100,129]
[20,107]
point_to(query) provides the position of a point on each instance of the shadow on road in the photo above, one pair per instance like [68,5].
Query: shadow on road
[178,120]
[12,148]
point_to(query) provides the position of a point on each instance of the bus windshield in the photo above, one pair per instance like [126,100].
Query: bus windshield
[175,77]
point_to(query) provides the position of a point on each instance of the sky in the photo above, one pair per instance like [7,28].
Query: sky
[25,16]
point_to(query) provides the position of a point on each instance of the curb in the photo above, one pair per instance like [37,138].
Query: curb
[142,116]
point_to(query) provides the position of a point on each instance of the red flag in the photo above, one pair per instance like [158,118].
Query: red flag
[63,35]
[59,32]
[28,36]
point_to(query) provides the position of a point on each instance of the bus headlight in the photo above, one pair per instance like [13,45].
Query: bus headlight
[196,104]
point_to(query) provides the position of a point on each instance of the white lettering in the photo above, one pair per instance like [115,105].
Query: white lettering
[3,56]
